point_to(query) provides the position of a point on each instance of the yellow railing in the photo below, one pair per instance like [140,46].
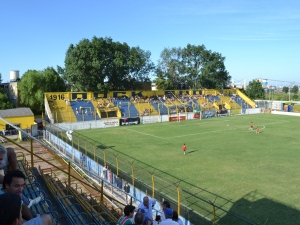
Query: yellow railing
[245,98]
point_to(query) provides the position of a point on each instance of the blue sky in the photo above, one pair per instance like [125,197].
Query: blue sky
[258,38]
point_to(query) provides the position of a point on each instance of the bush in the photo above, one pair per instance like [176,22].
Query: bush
[295,97]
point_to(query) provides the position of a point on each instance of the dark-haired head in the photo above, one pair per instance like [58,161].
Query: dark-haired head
[10,208]
[10,175]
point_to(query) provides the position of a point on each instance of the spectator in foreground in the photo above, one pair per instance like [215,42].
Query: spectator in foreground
[176,218]
[126,219]
[139,218]
[8,160]
[10,209]
[14,182]
[168,214]
[10,212]
[147,206]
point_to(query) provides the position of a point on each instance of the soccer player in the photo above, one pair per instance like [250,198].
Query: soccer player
[257,130]
[251,126]
[184,148]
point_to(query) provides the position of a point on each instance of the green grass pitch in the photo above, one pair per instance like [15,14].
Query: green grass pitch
[256,176]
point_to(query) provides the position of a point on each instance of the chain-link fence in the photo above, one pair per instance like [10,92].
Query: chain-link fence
[194,204]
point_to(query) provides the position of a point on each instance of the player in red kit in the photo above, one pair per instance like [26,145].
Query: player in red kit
[184,148]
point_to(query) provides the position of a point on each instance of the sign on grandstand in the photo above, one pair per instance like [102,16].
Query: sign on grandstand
[176,118]
[129,121]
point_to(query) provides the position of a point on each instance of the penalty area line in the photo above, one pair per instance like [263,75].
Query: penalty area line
[144,133]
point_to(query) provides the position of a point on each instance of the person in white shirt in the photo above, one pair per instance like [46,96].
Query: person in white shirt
[146,206]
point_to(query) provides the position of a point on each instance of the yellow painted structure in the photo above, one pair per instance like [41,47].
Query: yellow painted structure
[17,117]
[246,98]
[24,121]
[64,112]
[141,107]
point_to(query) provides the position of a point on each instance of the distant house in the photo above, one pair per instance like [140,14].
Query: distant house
[20,117]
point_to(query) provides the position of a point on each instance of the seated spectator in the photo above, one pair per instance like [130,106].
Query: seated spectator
[8,160]
[126,219]
[14,182]
[10,212]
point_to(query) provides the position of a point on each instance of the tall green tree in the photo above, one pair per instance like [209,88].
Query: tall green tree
[169,69]
[295,89]
[34,84]
[102,64]
[255,90]
[285,89]
[193,67]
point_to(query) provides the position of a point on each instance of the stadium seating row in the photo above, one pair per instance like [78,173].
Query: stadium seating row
[33,190]
[79,207]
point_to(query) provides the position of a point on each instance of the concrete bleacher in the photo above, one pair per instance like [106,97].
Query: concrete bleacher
[77,203]
[62,112]
[84,110]
[79,207]
[143,107]
[127,109]
[105,107]
[160,107]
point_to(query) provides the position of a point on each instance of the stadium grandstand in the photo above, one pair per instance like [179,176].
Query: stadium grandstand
[72,107]
[74,184]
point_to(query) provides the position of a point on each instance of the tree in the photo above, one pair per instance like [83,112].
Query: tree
[34,84]
[102,65]
[169,70]
[255,90]
[4,101]
[285,89]
[194,66]
[295,89]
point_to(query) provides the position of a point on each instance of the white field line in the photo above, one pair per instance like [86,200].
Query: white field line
[207,132]
[144,133]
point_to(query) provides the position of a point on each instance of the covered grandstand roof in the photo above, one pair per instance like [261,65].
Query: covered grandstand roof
[16,112]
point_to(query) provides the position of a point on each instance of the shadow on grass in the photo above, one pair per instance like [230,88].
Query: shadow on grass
[260,210]
[190,152]
[105,147]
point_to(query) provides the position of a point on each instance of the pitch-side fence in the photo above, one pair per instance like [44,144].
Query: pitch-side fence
[196,205]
